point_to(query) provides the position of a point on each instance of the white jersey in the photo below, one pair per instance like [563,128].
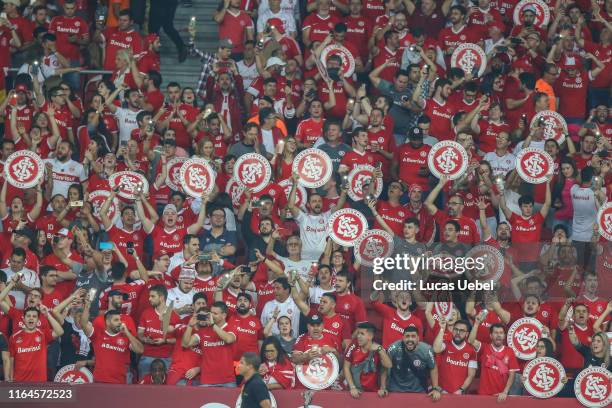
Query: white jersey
[247,72]
[539,145]
[126,120]
[288,308]
[314,232]
[180,299]
[65,174]
[287,18]
[501,164]
[315,294]
[585,213]
[176,260]
[302,266]
[29,279]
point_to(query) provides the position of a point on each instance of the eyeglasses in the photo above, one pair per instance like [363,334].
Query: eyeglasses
[460,330]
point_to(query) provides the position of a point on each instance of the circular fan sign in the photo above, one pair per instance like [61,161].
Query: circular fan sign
[314,167]
[604,221]
[542,12]
[555,126]
[70,374]
[197,177]
[234,190]
[301,196]
[373,244]
[174,173]
[523,337]
[348,61]
[360,177]
[97,198]
[443,310]
[130,184]
[543,377]
[447,158]
[346,225]
[534,165]
[253,171]
[470,58]
[593,387]
[492,259]
[318,373]
[24,169]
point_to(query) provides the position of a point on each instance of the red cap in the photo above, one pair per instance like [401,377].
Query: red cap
[160,253]
[21,88]
[414,187]
[429,43]
[65,232]
[278,24]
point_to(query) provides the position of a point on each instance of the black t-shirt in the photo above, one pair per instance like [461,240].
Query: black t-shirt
[591,360]
[253,392]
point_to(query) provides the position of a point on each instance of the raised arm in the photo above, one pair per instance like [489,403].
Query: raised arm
[429,202]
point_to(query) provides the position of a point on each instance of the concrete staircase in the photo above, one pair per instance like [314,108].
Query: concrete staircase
[188,72]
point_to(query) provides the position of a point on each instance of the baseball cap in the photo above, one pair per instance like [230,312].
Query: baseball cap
[21,88]
[66,233]
[226,43]
[529,8]
[170,207]
[160,253]
[414,187]
[314,319]
[25,232]
[116,292]
[275,61]
[278,24]
[415,133]
[429,43]
[187,273]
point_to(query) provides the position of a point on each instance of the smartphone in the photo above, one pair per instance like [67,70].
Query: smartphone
[204,257]
[203,317]
[130,247]
[35,68]
[78,203]
[123,143]
[245,269]
[13,100]
[106,246]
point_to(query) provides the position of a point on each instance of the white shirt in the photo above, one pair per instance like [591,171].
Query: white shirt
[29,279]
[65,174]
[247,72]
[314,232]
[585,213]
[180,299]
[302,266]
[287,19]
[315,294]
[287,308]
[501,164]
[126,120]
[176,260]
[267,140]
[539,145]
[288,6]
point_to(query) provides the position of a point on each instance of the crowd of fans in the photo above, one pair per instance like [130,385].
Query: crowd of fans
[175,289]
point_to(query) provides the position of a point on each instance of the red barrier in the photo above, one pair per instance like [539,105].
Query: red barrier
[151,396]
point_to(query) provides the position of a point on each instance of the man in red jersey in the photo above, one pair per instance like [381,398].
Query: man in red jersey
[178,115]
[185,366]
[589,296]
[358,28]
[456,359]
[22,25]
[132,290]
[122,37]
[439,110]
[310,131]
[381,142]
[363,360]
[28,346]
[111,346]
[390,56]
[469,232]
[498,364]
[458,33]
[333,324]
[314,343]
[215,338]
[395,320]
[527,227]
[149,59]
[235,25]
[358,155]
[578,325]
[248,328]
[151,332]
[165,234]
[319,24]
[410,161]
[348,305]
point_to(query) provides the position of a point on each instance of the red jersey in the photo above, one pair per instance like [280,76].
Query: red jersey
[319,26]
[29,349]
[309,130]
[440,115]
[596,306]
[334,326]
[572,93]
[120,40]
[169,240]
[354,158]
[190,113]
[25,113]
[451,39]
[495,367]
[149,61]
[571,359]
[234,28]
[488,134]
[355,355]
[183,359]
[121,237]
[410,160]
[151,323]
[65,27]
[248,334]
[56,296]
[350,307]
[393,325]
[526,233]
[604,54]
[100,325]
[305,342]
[338,111]
[394,216]
[265,293]
[469,232]
[16,316]
[383,56]
[63,118]
[453,364]
[385,141]
[132,289]
[112,356]
[217,356]
[358,32]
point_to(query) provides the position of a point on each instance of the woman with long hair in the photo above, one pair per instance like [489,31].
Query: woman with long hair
[42,246]
[283,158]
[126,71]
[597,354]
[286,337]
[276,368]
[188,97]
[561,196]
